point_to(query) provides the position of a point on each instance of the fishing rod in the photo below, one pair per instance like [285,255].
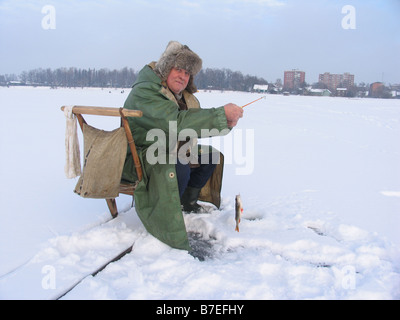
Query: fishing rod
[253,101]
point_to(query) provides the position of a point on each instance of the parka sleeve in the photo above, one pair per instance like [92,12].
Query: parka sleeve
[158,111]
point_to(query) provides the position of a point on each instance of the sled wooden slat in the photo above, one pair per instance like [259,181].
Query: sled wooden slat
[125,188]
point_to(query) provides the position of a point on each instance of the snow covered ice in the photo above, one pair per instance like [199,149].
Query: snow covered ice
[320,188]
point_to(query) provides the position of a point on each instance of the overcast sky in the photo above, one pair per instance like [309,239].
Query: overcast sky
[257,37]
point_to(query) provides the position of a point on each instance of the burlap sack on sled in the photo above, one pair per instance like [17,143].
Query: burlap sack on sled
[104,157]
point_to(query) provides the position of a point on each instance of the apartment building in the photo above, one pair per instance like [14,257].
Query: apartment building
[293,79]
[333,81]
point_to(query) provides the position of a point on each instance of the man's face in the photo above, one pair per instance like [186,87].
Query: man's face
[178,80]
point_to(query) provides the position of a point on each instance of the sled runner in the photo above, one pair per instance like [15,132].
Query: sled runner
[93,182]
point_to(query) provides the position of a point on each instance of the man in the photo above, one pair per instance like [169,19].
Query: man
[164,91]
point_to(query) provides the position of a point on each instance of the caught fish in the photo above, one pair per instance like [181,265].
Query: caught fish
[238,211]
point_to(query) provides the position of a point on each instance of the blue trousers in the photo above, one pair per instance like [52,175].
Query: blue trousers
[195,177]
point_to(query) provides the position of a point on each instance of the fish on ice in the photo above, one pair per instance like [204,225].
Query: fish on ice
[238,211]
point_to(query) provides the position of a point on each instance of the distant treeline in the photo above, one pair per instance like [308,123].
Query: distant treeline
[225,79]
[219,79]
[73,77]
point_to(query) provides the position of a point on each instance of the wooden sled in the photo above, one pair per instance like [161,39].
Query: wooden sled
[128,189]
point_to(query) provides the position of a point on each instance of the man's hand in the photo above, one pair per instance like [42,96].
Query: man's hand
[233,114]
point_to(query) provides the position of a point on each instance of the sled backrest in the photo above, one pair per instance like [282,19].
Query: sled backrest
[125,188]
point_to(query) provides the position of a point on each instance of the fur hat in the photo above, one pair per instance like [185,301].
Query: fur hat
[179,56]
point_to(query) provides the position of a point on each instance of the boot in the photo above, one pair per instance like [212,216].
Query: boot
[189,200]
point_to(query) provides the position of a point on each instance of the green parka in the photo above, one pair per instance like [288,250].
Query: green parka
[157,199]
